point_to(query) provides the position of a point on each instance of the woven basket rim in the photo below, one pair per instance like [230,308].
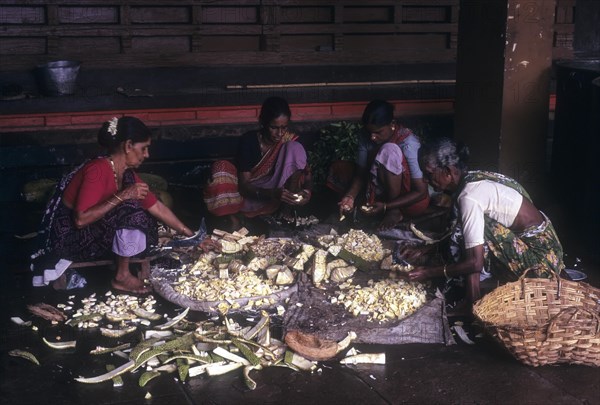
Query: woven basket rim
[511,285]
[516,337]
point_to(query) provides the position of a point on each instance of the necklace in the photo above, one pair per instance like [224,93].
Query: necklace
[112,164]
[263,146]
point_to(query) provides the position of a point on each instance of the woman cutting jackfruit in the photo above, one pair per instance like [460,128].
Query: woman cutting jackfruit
[270,169]
[387,165]
[498,228]
[104,206]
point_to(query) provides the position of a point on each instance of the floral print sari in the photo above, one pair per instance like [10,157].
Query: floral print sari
[510,254]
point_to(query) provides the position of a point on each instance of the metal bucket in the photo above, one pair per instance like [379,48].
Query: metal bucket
[58,78]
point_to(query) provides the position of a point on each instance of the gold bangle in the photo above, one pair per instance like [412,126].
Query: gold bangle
[111,203]
[117,197]
[445,272]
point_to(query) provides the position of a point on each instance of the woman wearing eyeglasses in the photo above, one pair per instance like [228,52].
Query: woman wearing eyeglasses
[497,228]
[270,169]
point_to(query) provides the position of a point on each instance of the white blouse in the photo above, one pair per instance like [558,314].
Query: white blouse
[496,200]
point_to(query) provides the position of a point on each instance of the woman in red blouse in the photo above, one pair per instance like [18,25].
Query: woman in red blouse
[106,207]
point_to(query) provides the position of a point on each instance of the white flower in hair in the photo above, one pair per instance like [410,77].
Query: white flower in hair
[112,126]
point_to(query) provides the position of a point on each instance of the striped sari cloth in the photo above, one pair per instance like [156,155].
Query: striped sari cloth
[222,196]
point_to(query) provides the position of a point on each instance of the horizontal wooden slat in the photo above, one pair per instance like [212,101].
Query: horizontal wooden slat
[105,45]
[396,41]
[230,15]
[104,61]
[221,29]
[305,42]
[141,30]
[22,15]
[307,15]
[161,44]
[229,43]
[134,2]
[88,15]
[427,14]
[245,2]
[160,15]
[22,46]
[364,28]
[259,31]
[370,14]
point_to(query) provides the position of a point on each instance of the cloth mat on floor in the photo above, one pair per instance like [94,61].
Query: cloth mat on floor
[310,310]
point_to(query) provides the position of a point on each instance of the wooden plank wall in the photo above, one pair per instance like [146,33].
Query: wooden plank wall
[168,33]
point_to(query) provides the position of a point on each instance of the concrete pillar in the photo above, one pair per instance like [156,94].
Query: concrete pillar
[504,61]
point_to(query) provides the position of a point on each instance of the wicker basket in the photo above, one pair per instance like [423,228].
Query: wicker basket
[544,321]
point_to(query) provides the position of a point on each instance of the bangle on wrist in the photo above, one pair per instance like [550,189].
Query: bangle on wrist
[111,203]
[384,208]
[117,197]
[446,272]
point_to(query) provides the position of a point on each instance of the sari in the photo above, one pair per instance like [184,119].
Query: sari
[274,169]
[95,241]
[510,254]
[379,157]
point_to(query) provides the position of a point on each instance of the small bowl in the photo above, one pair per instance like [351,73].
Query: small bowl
[575,275]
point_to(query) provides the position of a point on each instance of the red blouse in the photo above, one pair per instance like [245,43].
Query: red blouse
[94,183]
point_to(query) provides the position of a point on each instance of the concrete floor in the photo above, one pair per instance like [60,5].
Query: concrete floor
[482,373]
[414,373]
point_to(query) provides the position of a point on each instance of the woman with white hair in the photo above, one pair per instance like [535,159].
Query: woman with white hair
[497,220]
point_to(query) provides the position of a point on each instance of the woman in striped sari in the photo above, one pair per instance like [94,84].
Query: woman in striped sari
[270,169]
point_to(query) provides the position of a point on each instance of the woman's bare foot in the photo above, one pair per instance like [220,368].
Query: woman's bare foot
[144,273]
[391,219]
[130,284]
[235,223]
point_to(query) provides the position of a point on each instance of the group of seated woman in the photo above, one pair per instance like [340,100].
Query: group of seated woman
[271,168]
[104,207]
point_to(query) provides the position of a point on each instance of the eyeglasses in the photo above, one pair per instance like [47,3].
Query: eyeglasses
[429,174]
